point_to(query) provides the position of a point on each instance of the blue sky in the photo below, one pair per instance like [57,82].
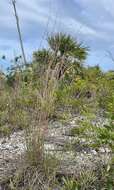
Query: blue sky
[89,21]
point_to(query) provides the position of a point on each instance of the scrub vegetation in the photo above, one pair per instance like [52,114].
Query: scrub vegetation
[57,85]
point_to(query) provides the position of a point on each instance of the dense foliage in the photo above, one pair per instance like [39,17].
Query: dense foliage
[55,84]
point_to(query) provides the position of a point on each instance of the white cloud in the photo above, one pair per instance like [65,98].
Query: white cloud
[76,26]
[93,22]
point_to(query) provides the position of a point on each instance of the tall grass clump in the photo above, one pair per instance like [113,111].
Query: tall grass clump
[38,166]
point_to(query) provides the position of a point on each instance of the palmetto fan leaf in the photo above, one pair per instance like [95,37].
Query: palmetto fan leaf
[66,45]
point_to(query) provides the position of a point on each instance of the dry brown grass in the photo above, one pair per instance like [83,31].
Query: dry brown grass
[38,167]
